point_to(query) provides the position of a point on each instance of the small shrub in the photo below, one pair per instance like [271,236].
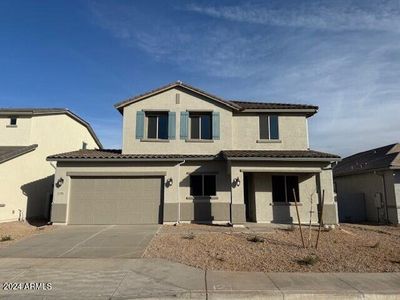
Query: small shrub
[255,239]
[189,236]
[5,238]
[309,260]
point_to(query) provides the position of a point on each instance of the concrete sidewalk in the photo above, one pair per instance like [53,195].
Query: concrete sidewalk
[161,279]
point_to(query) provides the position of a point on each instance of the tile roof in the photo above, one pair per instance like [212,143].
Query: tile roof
[386,157]
[278,154]
[10,152]
[233,104]
[271,105]
[116,154]
[178,84]
[49,111]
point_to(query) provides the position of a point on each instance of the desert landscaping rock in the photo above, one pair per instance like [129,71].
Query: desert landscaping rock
[347,248]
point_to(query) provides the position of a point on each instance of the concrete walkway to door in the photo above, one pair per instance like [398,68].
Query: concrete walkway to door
[85,241]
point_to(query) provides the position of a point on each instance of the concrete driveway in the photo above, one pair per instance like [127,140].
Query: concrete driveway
[85,241]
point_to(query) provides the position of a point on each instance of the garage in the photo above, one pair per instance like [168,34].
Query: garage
[115,200]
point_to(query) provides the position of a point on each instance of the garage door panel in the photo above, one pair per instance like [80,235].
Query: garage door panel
[115,200]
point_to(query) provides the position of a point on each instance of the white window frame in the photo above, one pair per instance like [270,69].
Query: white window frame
[199,114]
[146,123]
[268,116]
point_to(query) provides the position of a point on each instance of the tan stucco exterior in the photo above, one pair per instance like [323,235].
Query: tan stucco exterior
[374,196]
[237,130]
[26,181]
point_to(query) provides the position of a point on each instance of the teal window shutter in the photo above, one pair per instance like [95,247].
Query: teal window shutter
[184,124]
[171,125]
[139,124]
[215,125]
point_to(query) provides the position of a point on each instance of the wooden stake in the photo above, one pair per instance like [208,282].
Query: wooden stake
[320,217]
[298,218]
[309,229]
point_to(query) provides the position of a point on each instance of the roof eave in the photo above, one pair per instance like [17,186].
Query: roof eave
[283,159]
[307,112]
[120,105]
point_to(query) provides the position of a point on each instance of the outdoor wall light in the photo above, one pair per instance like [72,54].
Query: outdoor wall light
[169,182]
[236,181]
[59,182]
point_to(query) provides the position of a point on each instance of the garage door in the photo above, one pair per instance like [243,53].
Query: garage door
[115,200]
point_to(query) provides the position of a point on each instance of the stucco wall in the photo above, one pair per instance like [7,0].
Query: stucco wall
[237,130]
[265,212]
[166,101]
[292,133]
[171,170]
[15,135]
[27,181]
[369,184]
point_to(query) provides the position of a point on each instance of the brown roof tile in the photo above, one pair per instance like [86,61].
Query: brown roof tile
[233,104]
[386,157]
[278,154]
[272,105]
[10,152]
[115,154]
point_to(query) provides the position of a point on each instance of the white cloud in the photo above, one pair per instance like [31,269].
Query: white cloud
[333,15]
[342,56]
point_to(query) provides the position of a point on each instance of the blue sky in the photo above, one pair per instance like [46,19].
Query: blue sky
[87,55]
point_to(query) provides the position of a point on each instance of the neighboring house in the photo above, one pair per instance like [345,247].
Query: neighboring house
[28,136]
[368,186]
[189,156]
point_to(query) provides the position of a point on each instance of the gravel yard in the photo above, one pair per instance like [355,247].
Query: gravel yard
[348,248]
[14,231]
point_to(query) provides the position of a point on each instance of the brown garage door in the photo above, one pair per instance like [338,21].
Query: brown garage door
[115,200]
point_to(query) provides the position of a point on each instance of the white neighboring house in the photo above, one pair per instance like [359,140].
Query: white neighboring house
[28,136]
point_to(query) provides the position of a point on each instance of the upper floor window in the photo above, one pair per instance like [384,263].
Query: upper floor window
[157,125]
[269,128]
[200,126]
[13,121]
[203,185]
[84,146]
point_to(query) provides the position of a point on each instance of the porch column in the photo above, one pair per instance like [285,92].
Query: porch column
[238,214]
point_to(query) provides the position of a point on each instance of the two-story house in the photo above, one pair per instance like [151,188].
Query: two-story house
[189,156]
[28,136]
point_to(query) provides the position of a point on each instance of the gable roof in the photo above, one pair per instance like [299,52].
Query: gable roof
[50,111]
[383,158]
[10,152]
[177,84]
[235,105]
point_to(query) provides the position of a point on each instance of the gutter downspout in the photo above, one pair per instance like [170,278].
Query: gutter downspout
[178,221]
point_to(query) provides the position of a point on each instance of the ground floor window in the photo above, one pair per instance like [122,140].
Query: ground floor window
[282,188]
[203,185]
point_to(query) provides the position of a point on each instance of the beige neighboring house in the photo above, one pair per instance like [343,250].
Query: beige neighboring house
[189,156]
[28,136]
[368,186]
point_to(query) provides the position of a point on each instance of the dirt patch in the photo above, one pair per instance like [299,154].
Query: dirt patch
[346,249]
[11,232]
